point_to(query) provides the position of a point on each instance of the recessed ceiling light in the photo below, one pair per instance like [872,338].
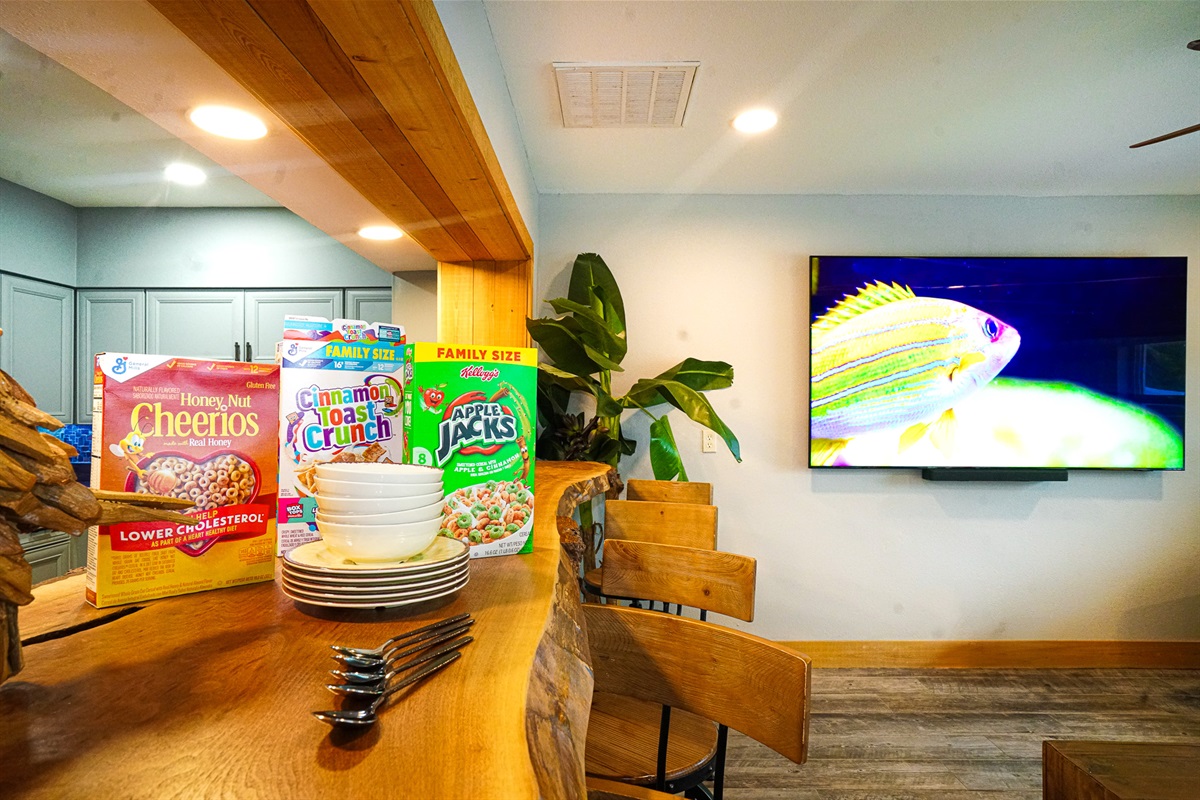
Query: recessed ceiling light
[755,121]
[232,123]
[184,174]
[380,232]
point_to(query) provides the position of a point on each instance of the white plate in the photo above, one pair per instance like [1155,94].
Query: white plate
[358,579]
[378,593]
[374,604]
[317,557]
[310,583]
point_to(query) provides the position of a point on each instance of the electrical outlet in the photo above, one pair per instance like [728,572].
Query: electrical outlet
[708,441]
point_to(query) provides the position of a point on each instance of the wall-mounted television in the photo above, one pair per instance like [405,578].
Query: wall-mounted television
[997,364]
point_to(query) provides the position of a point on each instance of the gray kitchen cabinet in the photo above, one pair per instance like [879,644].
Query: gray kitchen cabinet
[38,345]
[53,553]
[196,323]
[265,310]
[369,305]
[106,321]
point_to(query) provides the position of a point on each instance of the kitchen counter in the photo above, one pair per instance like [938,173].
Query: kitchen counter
[209,695]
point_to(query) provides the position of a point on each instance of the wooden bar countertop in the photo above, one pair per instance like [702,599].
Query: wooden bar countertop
[209,695]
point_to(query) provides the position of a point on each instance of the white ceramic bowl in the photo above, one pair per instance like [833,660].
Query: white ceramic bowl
[372,472]
[390,518]
[329,504]
[379,542]
[332,488]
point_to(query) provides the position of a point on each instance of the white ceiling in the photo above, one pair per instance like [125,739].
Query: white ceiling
[973,98]
[960,98]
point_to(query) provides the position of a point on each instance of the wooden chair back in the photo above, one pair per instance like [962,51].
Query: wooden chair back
[747,683]
[682,524]
[669,491]
[705,579]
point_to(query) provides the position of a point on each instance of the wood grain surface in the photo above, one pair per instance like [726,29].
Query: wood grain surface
[707,579]
[1075,770]
[209,695]
[669,491]
[684,524]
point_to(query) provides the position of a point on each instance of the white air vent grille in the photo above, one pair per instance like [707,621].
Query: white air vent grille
[624,95]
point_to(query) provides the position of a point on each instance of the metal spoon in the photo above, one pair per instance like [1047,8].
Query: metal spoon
[380,664]
[368,715]
[376,685]
[367,652]
[373,672]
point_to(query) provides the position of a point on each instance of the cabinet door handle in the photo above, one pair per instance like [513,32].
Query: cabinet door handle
[249,356]
[237,351]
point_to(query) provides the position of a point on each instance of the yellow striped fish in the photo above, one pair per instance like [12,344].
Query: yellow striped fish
[885,358]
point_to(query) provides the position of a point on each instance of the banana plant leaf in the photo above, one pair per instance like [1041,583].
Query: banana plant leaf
[562,345]
[594,330]
[692,403]
[606,405]
[701,376]
[664,453]
[593,285]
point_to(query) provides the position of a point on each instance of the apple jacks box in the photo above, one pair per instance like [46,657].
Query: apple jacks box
[339,400]
[470,410]
[184,428]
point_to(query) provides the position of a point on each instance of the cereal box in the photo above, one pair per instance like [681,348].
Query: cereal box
[181,427]
[339,400]
[470,410]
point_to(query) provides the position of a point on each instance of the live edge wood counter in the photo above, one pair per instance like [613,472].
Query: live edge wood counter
[208,695]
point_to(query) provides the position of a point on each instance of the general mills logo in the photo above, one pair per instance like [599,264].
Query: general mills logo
[119,366]
[293,349]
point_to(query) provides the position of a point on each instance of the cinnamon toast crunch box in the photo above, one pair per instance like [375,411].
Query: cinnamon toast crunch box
[189,429]
[339,400]
[470,410]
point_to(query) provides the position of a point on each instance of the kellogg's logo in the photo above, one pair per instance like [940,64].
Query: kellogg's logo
[477,371]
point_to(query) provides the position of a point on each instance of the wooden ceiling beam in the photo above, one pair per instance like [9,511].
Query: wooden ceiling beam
[373,88]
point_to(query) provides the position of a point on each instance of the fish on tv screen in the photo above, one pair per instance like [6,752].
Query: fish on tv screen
[1073,363]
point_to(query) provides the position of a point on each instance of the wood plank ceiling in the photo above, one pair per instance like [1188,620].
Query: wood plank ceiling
[372,87]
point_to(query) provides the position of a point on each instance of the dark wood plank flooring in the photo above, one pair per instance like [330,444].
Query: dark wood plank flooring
[900,734]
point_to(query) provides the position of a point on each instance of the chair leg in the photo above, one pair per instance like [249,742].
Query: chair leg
[719,777]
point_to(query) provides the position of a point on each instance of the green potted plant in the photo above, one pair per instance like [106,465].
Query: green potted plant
[582,348]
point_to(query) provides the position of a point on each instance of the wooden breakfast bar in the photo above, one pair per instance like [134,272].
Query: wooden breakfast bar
[209,695]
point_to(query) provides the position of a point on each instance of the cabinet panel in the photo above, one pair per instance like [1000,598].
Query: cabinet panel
[266,309]
[369,305]
[48,554]
[38,344]
[106,321]
[195,324]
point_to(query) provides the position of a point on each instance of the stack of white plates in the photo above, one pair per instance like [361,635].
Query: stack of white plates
[314,574]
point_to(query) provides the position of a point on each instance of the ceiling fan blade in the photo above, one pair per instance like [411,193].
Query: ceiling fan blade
[1166,136]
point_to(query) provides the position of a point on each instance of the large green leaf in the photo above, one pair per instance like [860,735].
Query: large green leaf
[701,376]
[697,407]
[664,453]
[606,405]
[559,341]
[594,329]
[593,285]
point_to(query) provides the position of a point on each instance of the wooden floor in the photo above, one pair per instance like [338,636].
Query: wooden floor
[899,734]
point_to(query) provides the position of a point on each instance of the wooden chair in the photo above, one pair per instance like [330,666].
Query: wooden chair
[669,491]
[739,680]
[685,524]
[626,736]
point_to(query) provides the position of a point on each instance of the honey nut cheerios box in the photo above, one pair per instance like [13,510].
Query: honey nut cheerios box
[185,428]
[471,410]
[339,400]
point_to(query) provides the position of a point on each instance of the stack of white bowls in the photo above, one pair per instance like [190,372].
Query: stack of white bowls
[371,512]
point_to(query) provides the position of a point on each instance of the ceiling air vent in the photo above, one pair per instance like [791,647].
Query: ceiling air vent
[624,95]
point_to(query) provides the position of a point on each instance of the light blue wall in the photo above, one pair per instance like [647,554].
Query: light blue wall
[881,554]
[214,247]
[37,235]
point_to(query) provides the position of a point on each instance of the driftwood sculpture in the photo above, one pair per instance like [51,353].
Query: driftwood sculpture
[38,491]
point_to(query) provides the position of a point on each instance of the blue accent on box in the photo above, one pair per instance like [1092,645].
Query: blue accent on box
[79,437]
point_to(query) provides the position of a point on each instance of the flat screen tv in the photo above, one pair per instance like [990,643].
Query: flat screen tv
[997,363]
